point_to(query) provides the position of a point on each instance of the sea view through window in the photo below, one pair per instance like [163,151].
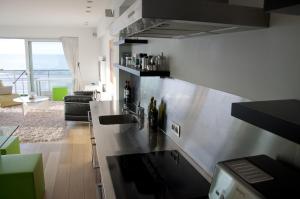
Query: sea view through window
[45,61]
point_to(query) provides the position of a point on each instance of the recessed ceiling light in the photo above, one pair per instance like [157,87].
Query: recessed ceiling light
[88,7]
[88,11]
[90,1]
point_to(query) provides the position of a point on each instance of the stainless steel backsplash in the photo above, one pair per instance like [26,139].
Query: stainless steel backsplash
[209,133]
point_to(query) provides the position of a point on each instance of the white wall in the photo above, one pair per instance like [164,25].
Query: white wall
[89,47]
[110,52]
[257,65]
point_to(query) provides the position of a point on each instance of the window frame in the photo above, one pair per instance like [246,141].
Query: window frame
[28,56]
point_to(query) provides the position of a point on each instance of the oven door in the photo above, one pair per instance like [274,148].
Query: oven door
[226,185]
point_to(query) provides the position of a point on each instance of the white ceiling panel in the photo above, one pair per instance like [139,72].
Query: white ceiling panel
[51,12]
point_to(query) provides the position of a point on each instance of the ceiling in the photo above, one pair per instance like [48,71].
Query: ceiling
[67,13]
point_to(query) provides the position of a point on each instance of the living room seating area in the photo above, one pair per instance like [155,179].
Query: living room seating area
[22,172]
[77,106]
[6,96]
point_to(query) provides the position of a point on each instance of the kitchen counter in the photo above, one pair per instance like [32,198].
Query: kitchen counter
[123,139]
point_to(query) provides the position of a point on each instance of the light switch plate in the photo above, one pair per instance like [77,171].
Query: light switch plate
[175,128]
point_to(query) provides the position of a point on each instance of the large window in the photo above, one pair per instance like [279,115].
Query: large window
[43,61]
[48,56]
[13,64]
[49,66]
[12,54]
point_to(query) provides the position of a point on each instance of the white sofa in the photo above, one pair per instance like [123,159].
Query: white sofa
[6,96]
[5,90]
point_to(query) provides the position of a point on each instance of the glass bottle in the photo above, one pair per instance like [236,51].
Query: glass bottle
[154,116]
[150,107]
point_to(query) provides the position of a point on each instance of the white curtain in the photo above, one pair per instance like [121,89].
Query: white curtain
[71,51]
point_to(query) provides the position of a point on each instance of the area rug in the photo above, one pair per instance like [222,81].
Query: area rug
[38,125]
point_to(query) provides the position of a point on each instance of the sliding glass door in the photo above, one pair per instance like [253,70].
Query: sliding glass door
[33,65]
[48,67]
[13,64]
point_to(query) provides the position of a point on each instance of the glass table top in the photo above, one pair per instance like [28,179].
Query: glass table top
[26,99]
[5,133]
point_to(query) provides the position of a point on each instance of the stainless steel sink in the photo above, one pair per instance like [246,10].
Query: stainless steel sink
[117,119]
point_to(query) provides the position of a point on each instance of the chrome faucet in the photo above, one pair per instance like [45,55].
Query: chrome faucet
[139,114]
[139,110]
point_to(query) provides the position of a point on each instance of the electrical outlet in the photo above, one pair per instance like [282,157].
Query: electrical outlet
[175,129]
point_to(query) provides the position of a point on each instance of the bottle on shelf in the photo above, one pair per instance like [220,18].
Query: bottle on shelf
[160,61]
[127,92]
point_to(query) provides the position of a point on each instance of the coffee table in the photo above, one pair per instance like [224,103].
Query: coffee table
[26,101]
[5,133]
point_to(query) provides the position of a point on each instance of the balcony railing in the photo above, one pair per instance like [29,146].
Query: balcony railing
[8,78]
[44,80]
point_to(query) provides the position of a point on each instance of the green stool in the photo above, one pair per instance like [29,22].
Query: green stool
[22,176]
[58,93]
[11,146]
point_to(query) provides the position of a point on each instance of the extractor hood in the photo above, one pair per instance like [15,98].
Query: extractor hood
[291,7]
[178,18]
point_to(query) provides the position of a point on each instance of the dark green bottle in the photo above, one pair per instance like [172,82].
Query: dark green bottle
[150,107]
[153,116]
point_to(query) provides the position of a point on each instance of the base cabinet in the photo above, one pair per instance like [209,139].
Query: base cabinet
[99,191]
[95,164]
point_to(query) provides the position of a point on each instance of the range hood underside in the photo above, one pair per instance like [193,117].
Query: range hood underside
[159,28]
[178,19]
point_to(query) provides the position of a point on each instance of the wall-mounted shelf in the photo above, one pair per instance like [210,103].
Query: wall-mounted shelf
[143,73]
[124,42]
[291,7]
[281,117]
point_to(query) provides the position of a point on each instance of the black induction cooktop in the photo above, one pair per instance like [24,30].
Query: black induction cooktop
[156,175]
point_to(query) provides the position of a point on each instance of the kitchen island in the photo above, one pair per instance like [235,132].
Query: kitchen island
[121,139]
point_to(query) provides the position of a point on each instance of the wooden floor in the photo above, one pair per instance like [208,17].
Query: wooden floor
[67,164]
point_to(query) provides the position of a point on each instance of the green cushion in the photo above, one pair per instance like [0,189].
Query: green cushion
[22,176]
[11,146]
[58,93]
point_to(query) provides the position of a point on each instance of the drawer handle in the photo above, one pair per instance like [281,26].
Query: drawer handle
[100,190]
[89,116]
